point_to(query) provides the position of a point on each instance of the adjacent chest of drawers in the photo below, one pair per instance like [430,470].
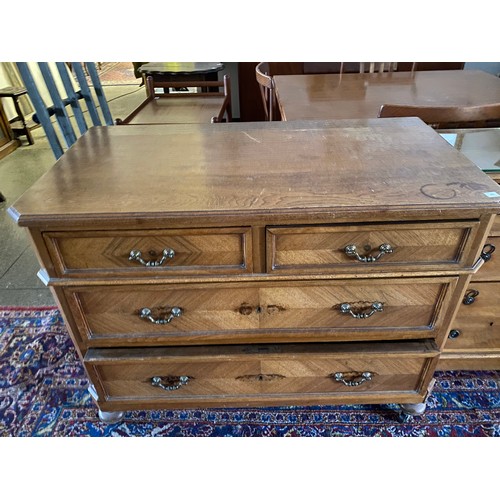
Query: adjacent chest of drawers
[259,264]
[474,337]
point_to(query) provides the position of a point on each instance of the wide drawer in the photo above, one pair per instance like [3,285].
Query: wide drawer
[261,374]
[410,246]
[144,253]
[477,324]
[369,309]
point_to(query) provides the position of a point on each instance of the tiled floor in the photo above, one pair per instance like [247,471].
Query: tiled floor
[19,284]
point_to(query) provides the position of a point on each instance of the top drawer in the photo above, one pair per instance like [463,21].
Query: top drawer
[354,248]
[141,253]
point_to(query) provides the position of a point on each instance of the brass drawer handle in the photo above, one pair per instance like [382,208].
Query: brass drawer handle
[175,382]
[375,307]
[470,297]
[136,255]
[486,252]
[354,379]
[352,251]
[146,313]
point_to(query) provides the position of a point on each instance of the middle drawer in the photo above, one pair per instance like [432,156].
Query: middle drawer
[369,309]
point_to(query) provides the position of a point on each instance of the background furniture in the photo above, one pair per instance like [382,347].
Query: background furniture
[329,96]
[183,107]
[8,142]
[250,100]
[447,116]
[72,98]
[266,87]
[163,72]
[474,338]
[18,124]
[263,75]
[246,265]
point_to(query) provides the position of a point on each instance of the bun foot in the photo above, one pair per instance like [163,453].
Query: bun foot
[407,411]
[108,417]
[111,417]
[413,409]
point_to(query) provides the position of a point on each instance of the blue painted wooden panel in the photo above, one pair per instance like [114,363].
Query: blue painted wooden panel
[57,107]
[40,108]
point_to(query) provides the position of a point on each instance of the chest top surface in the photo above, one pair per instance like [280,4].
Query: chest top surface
[256,168]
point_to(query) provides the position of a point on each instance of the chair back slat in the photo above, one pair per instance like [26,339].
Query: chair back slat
[59,106]
[40,109]
[377,67]
[73,98]
[86,94]
[96,82]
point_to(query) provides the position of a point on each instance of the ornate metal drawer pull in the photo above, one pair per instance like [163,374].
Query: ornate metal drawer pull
[486,252]
[470,297]
[175,312]
[352,251]
[375,307]
[354,380]
[167,253]
[176,382]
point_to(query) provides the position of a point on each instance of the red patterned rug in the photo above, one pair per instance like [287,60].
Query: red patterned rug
[43,392]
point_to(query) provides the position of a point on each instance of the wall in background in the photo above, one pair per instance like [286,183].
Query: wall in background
[489,67]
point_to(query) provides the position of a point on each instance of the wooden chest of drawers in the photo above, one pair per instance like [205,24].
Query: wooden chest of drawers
[259,264]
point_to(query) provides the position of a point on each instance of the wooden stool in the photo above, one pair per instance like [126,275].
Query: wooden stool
[18,124]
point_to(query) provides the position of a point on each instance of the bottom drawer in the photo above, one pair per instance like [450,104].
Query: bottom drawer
[261,375]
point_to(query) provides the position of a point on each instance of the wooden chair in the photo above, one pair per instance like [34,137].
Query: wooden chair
[264,73]
[95,101]
[487,115]
[370,67]
[183,106]
[266,87]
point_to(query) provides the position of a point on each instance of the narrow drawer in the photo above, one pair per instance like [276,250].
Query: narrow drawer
[158,252]
[320,249]
[398,308]
[477,324]
[261,374]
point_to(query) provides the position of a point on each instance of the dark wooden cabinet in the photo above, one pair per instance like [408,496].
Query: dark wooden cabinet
[7,141]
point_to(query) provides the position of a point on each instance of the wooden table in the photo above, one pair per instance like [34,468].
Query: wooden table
[333,96]
[182,71]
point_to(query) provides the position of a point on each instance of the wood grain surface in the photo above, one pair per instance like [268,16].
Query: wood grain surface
[140,172]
